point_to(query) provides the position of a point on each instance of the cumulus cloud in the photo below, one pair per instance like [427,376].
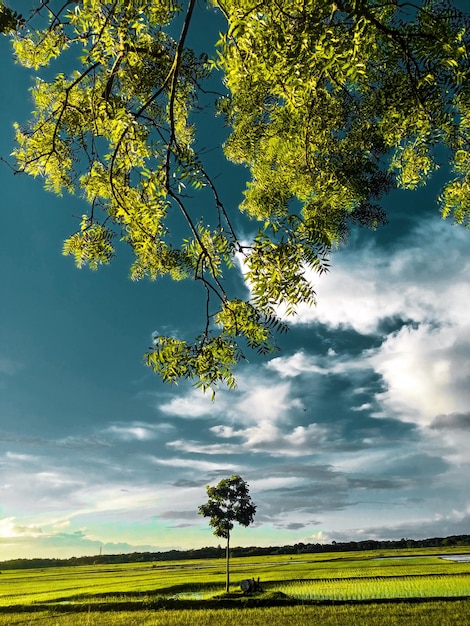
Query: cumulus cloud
[425,371]
[295,365]
[264,436]
[10,529]
[424,360]
[193,404]
[264,401]
[252,401]
[320,537]
[260,416]
[411,281]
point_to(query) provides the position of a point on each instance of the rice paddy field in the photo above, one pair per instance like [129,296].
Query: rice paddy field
[387,588]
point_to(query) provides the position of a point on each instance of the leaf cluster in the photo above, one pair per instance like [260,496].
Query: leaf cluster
[228,502]
[10,20]
[330,105]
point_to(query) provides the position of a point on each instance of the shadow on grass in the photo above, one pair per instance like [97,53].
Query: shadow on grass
[222,601]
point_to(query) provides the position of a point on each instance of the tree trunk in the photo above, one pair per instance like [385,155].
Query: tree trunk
[227,556]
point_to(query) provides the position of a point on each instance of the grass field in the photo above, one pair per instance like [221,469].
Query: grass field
[338,588]
[392,614]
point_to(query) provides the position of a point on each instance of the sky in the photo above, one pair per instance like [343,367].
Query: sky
[358,428]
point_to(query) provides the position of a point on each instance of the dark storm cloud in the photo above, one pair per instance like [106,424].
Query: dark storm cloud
[415,466]
[451,421]
[296,491]
[306,501]
[182,483]
[297,525]
[332,493]
[380,484]
[441,526]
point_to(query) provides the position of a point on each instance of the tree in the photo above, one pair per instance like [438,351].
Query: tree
[229,501]
[330,105]
[9,20]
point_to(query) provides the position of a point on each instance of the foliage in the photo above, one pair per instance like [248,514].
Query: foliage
[9,20]
[329,104]
[229,501]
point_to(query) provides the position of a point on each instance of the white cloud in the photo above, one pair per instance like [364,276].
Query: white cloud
[262,437]
[306,438]
[112,497]
[320,537]
[263,434]
[138,431]
[132,432]
[301,364]
[415,281]
[254,398]
[362,461]
[424,371]
[264,484]
[193,404]
[10,529]
[24,458]
[193,465]
[295,365]
[363,407]
[259,416]
[425,365]
[264,401]
[198,447]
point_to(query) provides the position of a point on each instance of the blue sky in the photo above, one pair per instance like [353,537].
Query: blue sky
[358,428]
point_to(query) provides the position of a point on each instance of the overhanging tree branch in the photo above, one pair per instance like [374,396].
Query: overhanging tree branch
[328,105]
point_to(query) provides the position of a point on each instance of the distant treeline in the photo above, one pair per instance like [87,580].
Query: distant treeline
[219,552]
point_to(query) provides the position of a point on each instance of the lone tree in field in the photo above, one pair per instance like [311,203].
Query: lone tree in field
[330,104]
[228,502]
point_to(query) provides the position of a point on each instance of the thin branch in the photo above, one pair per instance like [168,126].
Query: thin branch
[221,208]
[205,253]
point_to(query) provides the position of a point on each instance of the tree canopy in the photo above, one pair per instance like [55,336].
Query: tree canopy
[329,104]
[228,502]
[10,20]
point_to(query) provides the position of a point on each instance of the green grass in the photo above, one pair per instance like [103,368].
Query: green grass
[390,614]
[361,585]
[446,586]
